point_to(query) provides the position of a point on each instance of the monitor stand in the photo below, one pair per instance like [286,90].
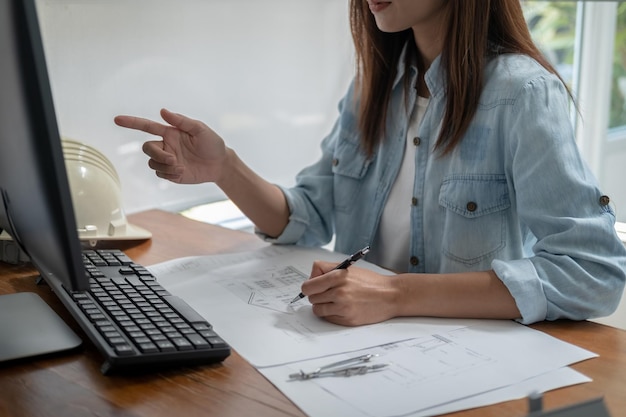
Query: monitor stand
[29,327]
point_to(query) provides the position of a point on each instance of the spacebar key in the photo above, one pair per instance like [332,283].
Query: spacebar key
[184,309]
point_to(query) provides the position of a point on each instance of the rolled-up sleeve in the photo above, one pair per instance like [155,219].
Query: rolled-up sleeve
[522,281]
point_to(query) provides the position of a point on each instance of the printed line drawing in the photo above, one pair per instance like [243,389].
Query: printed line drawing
[272,288]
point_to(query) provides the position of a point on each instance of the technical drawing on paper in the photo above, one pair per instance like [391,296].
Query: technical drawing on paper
[434,357]
[272,288]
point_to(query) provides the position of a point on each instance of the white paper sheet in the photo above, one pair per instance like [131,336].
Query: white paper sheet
[314,401]
[489,361]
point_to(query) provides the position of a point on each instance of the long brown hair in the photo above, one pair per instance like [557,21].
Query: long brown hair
[477,30]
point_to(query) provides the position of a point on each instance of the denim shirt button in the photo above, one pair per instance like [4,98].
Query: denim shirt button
[414,260]
[471,206]
[335,162]
[414,201]
[605,200]
[417,141]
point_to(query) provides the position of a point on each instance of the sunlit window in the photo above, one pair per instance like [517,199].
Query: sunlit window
[553,28]
[617,117]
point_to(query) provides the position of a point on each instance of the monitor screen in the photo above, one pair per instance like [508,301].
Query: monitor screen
[35,200]
[36,206]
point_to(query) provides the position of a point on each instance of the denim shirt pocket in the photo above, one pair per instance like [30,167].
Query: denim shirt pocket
[474,216]
[349,166]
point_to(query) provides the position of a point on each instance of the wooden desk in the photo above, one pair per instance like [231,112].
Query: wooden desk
[70,384]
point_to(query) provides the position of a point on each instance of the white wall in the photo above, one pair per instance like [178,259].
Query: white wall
[266,76]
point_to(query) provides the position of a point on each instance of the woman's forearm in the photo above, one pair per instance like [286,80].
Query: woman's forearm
[262,202]
[461,295]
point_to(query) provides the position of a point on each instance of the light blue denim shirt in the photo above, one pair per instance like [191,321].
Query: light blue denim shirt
[514,196]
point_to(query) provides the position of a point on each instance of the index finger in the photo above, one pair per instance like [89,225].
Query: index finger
[319,282]
[321,267]
[139,123]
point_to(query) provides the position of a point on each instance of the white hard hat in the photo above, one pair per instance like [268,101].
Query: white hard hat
[96,196]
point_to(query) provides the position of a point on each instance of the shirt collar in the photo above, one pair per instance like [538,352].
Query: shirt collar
[434,76]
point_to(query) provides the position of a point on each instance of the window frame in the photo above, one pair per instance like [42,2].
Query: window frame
[593,70]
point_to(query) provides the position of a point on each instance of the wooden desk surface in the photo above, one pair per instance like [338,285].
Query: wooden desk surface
[70,384]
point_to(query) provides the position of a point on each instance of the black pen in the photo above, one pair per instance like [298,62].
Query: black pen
[352,259]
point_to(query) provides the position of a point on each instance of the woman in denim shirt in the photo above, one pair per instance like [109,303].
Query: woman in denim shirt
[453,156]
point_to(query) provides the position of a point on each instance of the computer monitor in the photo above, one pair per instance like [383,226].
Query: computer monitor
[35,200]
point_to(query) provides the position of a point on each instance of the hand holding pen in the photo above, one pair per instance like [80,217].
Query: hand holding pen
[345,264]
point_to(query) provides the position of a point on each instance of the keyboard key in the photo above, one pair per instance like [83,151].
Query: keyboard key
[148,347]
[217,342]
[184,309]
[165,345]
[124,350]
[182,344]
[198,340]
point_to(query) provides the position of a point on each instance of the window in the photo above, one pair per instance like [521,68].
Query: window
[617,117]
[553,27]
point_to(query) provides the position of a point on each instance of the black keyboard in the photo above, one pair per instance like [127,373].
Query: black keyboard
[136,323]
